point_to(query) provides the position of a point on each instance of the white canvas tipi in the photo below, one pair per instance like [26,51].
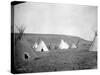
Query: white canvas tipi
[73,46]
[35,45]
[42,47]
[94,45]
[63,45]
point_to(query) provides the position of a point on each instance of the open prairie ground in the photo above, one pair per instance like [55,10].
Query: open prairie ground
[56,59]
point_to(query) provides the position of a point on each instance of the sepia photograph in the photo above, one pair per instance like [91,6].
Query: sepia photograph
[50,37]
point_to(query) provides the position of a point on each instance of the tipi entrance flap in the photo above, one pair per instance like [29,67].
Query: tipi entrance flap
[26,56]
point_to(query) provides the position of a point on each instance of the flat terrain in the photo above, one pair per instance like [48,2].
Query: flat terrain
[56,59]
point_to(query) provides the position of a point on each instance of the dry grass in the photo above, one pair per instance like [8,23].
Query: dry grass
[55,60]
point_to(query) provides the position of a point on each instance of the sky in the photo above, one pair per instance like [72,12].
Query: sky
[52,18]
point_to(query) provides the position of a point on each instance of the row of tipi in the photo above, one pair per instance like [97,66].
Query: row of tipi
[64,45]
[42,46]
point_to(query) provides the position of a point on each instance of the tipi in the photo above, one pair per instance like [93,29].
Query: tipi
[73,46]
[94,43]
[42,47]
[35,45]
[63,45]
[23,51]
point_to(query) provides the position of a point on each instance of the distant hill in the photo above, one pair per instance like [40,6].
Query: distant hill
[54,39]
[53,35]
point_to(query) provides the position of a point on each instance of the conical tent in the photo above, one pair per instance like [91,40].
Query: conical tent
[23,51]
[63,45]
[35,45]
[73,46]
[94,45]
[42,47]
